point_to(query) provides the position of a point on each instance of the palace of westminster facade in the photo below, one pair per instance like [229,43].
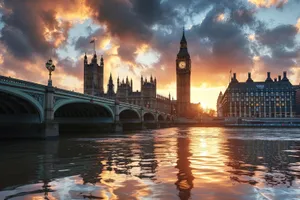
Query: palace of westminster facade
[147,96]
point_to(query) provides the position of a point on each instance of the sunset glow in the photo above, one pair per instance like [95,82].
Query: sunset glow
[219,39]
[268,3]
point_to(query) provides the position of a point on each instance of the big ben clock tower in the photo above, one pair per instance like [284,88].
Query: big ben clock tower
[183,79]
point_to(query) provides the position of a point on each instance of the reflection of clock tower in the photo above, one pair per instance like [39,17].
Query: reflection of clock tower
[183,76]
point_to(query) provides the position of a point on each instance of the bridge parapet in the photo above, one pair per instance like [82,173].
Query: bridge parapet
[17,82]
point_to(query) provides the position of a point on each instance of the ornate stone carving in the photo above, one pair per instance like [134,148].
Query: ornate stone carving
[39,97]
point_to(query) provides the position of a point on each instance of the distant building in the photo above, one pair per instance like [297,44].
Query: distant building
[269,99]
[146,97]
[93,76]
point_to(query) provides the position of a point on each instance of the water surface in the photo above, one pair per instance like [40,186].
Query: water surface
[174,163]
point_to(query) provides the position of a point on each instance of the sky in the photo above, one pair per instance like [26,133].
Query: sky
[138,37]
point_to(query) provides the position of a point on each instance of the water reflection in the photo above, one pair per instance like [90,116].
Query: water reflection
[187,163]
[185,177]
[255,159]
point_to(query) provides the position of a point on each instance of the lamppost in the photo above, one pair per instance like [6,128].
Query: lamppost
[51,68]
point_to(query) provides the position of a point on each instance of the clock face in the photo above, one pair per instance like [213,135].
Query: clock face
[182,65]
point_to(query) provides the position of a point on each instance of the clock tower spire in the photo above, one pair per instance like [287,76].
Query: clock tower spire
[183,78]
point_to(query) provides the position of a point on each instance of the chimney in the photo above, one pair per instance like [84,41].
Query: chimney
[269,77]
[234,76]
[284,74]
[275,79]
[249,78]
[279,78]
[285,77]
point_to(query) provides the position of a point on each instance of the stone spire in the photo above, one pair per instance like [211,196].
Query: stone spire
[85,59]
[183,40]
[110,86]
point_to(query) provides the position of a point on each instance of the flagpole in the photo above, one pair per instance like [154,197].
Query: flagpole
[95,47]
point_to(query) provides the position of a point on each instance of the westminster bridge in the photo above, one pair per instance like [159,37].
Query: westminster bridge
[36,110]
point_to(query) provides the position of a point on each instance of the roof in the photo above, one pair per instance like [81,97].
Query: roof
[259,85]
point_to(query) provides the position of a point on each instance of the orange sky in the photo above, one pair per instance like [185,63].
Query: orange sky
[142,38]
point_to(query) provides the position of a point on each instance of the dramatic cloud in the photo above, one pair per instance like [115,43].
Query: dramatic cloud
[269,3]
[142,38]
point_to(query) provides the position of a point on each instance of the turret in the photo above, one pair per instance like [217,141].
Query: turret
[94,60]
[110,87]
[101,61]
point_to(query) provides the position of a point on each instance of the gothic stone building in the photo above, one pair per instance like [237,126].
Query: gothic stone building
[268,99]
[146,97]
[183,80]
[93,76]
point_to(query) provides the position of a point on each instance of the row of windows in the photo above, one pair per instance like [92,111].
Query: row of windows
[283,115]
[263,94]
[262,104]
[265,89]
[267,99]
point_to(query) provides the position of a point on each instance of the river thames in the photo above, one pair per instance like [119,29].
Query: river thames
[173,163]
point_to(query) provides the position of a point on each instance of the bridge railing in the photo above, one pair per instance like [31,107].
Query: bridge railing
[14,81]
[63,91]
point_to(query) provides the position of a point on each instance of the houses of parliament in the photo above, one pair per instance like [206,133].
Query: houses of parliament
[147,96]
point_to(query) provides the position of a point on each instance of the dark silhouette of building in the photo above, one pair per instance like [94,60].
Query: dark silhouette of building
[268,99]
[93,76]
[183,79]
[110,88]
[146,97]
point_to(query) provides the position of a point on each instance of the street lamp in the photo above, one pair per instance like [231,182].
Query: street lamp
[51,68]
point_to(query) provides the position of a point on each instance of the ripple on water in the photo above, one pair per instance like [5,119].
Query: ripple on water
[174,163]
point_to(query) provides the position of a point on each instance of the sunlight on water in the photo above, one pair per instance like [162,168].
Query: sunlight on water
[175,163]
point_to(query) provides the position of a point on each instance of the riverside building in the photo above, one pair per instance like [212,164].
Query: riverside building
[272,98]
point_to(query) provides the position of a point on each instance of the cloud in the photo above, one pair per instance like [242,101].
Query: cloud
[282,45]
[268,3]
[298,25]
[37,26]
[221,34]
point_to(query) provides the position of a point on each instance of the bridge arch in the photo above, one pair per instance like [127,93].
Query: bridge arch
[149,117]
[160,117]
[24,103]
[126,114]
[83,109]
